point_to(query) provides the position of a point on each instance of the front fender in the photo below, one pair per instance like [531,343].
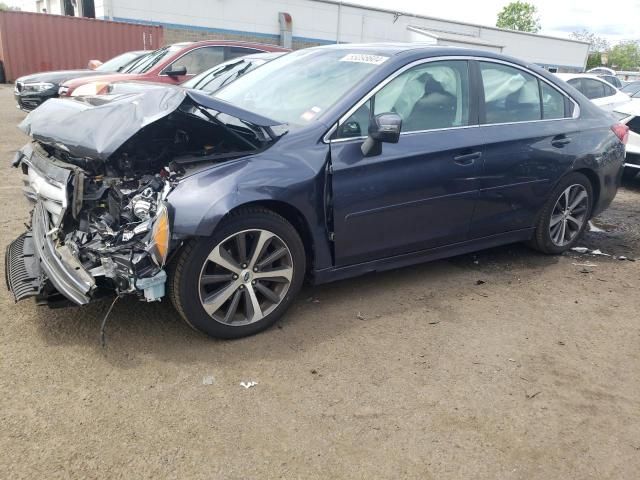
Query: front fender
[287,175]
[199,202]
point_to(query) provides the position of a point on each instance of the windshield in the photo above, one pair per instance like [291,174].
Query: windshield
[147,62]
[116,63]
[296,88]
[631,88]
[219,76]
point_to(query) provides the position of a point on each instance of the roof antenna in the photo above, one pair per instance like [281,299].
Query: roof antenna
[103,340]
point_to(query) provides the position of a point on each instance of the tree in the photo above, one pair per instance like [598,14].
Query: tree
[625,55]
[520,16]
[4,7]
[594,60]
[596,43]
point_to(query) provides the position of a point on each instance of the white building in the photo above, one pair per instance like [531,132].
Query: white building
[314,22]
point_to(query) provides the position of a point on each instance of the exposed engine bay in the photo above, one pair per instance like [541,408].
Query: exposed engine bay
[102,219]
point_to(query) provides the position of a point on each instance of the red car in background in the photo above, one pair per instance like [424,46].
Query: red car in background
[171,64]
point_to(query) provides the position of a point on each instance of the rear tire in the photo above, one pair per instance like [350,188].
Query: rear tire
[565,215]
[224,293]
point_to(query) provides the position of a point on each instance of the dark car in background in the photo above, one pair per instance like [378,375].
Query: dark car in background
[31,90]
[173,64]
[324,163]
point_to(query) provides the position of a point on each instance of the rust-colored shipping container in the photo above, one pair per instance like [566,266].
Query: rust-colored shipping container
[37,42]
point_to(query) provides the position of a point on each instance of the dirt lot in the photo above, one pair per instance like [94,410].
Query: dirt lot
[422,373]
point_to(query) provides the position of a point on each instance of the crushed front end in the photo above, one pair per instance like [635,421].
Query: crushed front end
[99,172]
[90,234]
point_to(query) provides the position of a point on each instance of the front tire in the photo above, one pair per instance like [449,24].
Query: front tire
[243,278]
[565,215]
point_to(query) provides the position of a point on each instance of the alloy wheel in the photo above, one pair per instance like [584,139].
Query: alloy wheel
[245,277]
[569,215]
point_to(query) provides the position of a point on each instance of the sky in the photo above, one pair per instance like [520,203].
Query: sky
[614,20]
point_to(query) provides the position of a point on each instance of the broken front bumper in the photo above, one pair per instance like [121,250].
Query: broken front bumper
[33,258]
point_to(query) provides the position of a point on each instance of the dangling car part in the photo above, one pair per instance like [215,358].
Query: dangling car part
[99,171]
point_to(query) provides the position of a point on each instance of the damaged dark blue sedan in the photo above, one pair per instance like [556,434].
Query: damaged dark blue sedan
[325,163]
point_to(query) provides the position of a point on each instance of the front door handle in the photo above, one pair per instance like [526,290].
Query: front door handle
[560,141]
[467,158]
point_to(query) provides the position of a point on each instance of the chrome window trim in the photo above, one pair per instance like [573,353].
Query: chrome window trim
[327,136]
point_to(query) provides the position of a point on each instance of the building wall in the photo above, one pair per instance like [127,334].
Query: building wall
[317,22]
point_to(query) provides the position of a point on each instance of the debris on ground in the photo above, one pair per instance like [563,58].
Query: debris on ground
[208,380]
[590,252]
[434,323]
[594,228]
[248,384]
[359,316]
[480,282]
[532,395]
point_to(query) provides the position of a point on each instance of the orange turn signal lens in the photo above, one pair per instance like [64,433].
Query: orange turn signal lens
[159,247]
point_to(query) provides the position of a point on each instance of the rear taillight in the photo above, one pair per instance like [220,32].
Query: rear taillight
[621,131]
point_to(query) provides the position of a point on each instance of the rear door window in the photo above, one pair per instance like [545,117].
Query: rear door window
[235,52]
[510,94]
[200,59]
[593,89]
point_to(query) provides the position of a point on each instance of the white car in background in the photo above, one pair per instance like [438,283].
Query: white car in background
[599,91]
[629,114]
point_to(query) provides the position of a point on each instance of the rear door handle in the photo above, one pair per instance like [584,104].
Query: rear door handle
[560,141]
[467,158]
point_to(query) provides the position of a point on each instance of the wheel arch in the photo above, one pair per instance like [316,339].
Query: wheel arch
[587,172]
[292,215]
[595,183]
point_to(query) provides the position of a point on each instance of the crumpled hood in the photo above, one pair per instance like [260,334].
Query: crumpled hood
[95,127]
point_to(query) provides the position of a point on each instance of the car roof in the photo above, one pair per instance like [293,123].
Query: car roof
[569,76]
[392,48]
[232,43]
[421,49]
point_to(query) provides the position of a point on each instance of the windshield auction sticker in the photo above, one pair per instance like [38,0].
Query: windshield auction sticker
[364,58]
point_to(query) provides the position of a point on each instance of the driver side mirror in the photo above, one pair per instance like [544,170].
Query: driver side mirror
[383,128]
[176,71]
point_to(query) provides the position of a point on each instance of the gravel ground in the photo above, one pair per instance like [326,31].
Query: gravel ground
[424,372]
